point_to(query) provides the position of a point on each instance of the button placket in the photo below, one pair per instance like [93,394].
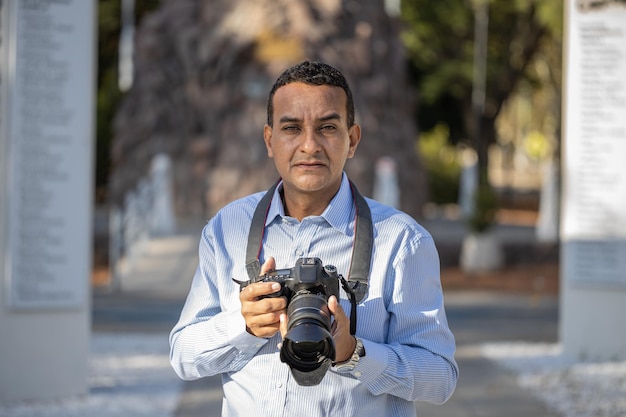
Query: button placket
[303,238]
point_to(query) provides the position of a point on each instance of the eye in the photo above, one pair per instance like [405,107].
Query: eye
[291,128]
[328,128]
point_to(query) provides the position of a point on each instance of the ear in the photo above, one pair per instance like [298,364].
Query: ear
[354,134]
[267,138]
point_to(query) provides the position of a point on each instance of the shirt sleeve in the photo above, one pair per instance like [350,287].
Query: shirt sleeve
[417,361]
[206,340]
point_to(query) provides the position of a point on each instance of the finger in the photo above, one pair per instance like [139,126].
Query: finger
[275,306]
[269,321]
[268,265]
[261,324]
[283,325]
[264,306]
[262,331]
[253,291]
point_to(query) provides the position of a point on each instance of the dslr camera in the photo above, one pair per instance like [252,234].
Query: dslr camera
[308,347]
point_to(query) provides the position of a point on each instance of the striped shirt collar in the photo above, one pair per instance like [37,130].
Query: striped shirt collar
[339,213]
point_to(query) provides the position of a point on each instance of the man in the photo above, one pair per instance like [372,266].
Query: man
[403,350]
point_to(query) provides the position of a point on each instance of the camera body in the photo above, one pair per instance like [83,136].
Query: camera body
[308,275]
[308,347]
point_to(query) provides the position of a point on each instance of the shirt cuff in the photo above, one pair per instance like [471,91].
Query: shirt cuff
[373,364]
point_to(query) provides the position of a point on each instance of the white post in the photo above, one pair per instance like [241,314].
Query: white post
[386,189]
[116,247]
[162,219]
[130,233]
[468,182]
[126,45]
[547,227]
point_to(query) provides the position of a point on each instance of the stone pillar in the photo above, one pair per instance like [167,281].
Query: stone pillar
[593,229]
[47,79]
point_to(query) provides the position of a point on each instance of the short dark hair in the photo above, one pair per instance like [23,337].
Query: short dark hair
[312,73]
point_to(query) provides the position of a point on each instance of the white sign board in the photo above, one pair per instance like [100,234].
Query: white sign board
[47,129]
[594,196]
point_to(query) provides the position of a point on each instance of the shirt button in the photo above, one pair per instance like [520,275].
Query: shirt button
[299,252]
[357,374]
[279,385]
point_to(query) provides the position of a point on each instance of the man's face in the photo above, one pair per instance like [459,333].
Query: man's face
[310,140]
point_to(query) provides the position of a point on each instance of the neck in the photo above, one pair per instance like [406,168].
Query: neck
[304,204]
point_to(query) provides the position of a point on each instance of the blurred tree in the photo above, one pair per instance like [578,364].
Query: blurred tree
[439,37]
[108,92]
[203,69]
[442,165]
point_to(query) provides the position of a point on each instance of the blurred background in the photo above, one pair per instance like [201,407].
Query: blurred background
[462,99]
[460,107]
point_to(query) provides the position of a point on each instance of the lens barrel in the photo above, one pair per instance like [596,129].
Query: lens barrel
[308,347]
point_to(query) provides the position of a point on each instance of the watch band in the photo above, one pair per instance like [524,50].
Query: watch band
[350,364]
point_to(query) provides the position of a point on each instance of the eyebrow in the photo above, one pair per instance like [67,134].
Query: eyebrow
[290,119]
[332,116]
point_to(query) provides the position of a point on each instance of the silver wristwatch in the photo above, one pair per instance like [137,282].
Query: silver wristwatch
[350,364]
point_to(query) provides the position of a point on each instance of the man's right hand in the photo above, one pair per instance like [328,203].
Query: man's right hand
[262,316]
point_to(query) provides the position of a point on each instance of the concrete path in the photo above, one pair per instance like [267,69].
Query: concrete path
[484,388]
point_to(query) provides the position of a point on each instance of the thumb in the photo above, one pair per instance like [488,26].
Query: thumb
[337,311]
[268,265]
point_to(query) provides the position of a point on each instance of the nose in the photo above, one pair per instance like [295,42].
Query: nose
[310,141]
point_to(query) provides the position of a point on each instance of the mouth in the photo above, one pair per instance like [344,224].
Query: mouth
[309,165]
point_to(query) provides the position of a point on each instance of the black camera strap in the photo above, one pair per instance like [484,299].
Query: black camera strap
[357,283]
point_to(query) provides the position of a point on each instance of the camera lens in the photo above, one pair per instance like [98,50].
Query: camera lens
[308,347]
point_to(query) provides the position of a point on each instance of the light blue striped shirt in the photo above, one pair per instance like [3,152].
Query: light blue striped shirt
[409,346]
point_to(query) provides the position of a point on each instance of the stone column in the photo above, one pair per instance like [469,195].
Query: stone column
[47,78]
[593,230]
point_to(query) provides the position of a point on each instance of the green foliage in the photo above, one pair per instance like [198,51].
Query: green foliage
[108,95]
[442,165]
[439,38]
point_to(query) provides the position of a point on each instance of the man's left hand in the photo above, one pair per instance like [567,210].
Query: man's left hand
[345,343]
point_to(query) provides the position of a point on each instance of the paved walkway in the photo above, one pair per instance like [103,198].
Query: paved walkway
[150,297]
[484,388]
